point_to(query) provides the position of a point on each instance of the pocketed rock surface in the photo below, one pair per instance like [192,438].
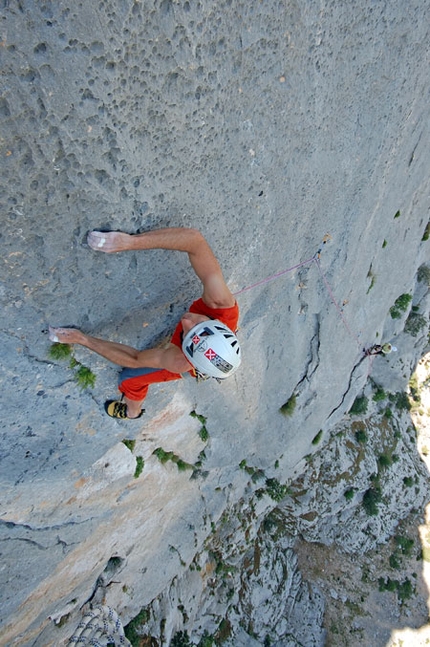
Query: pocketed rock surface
[286,132]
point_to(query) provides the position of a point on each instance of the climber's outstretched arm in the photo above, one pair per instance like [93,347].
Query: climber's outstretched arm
[215,291]
[170,358]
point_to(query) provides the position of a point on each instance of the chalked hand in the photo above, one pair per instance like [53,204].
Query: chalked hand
[108,241]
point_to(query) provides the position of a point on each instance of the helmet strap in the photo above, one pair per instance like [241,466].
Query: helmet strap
[201,377]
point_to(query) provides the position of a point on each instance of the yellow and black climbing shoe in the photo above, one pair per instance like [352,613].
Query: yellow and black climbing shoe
[116,409]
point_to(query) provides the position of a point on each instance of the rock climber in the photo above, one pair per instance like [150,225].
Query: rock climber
[203,342]
[377,349]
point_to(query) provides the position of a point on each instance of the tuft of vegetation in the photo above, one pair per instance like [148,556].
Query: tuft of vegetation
[408,481]
[164,456]
[426,234]
[203,433]
[318,437]
[415,323]
[397,214]
[287,409]
[84,376]
[372,277]
[401,304]
[59,351]
[384,244]
[182,465]
[359,406]
[255,472]
[140,463]
[129,443]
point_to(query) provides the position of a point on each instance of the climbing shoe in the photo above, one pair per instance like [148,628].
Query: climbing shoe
[116,409]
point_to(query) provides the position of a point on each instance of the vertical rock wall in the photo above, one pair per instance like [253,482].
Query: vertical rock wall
[272,127]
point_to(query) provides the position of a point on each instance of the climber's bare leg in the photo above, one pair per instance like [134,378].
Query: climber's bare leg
[134,407]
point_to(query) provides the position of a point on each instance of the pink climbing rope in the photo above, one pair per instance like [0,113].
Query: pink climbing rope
[339,309]
[274,276]
[314,259]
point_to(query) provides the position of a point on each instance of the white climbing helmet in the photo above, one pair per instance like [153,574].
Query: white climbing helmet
[213,349]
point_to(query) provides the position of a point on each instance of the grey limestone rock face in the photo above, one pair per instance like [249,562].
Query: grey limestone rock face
[284,131]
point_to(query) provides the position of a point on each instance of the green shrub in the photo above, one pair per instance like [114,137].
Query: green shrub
[426,234]
[360,436]
[372,278]
[276,490]
[180,639]
[404,544]
[203,432]
[415,389]
[387,584]
[182,465]
[423,274]
[129,443]
[384,461]
[415,323]
[408,481]
[394,561]
[359,406]
[162,455]
[402,401]
[139,466]
[85,378]
[371,498]
[401,304]
[287,409]
[397,214]
[60,351]
[317,437]
[349,494]
[379,395]
[131,630]
[405,590]
[207,640]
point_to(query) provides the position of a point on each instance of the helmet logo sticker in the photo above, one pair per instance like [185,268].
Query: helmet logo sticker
[210,354]
[218,361]
[195,339]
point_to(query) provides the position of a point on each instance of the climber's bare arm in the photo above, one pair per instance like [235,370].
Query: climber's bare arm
[215,291]
[170,358]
